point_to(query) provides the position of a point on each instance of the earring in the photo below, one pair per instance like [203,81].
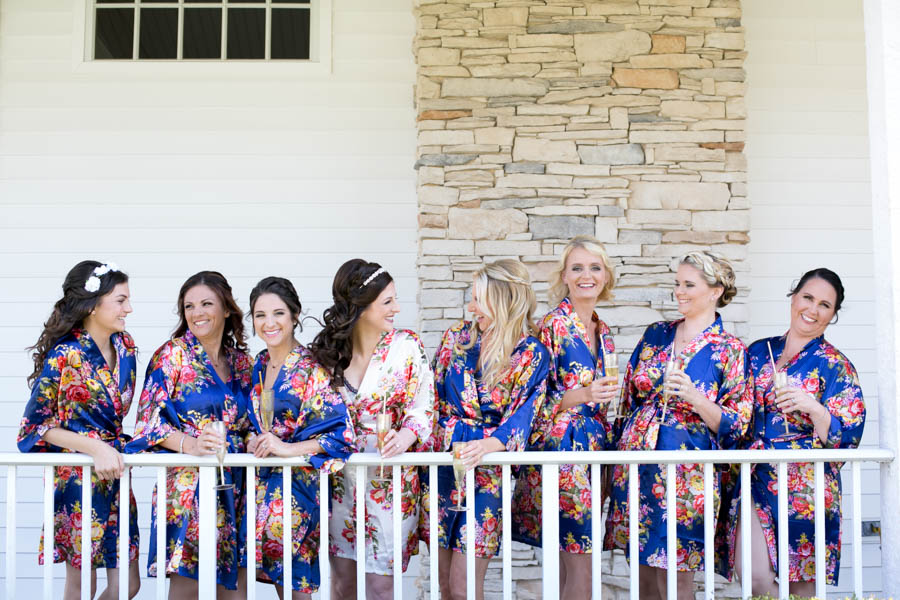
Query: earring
[93,312]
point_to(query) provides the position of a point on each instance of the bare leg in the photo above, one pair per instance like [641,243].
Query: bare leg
[684,583]
[295,595]
[343,577]
[182,588]
[379,587]
[562,574]
[763,582]
[457,583]
[112,582]
[577,571]
[240,593]
[72,589]
[648,584]
[803,589]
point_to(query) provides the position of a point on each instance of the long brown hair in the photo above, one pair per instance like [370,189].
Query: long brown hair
[233,336]
[356,285]
[75,305]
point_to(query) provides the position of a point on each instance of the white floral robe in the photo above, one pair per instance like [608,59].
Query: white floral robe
[399,377]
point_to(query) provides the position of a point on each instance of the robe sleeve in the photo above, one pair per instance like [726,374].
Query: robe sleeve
[418,409]
[441,369]
[557,343]
[327,422]
[157,417]
[41,411]
[735,396]
[843,398]
[515,426]
[629,400]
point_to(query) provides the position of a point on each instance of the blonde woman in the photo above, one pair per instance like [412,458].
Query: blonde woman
[491,376]
[574,415]
[705,372]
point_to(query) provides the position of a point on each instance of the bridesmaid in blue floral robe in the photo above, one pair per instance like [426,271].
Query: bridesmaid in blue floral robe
[305,408]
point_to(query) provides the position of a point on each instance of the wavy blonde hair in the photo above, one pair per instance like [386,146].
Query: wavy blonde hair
[502,291]
[558,288]
[716,272]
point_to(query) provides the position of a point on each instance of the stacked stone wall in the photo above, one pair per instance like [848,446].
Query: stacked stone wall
[540,120]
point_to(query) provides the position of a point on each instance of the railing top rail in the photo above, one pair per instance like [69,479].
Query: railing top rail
[661,457]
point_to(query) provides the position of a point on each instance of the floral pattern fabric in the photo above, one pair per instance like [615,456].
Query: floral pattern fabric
[717,364]
[398,380]
[468,410]
[584,427]
[827,375]
[305,408]
[76,390]
[184,393]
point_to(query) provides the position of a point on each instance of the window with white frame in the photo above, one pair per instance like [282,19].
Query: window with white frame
[204,30]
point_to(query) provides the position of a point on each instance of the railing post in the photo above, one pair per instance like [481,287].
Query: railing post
[470,534]
[206,568]
[597,532]
[550,528]
[86,527]
[49,535]
[671,532]
[506,544]
[820,528]
[11,532]
[287,502]
[324,560]
[634,530]
[162,496]
[783,556]
[396,505]
[857,530]
[709,521]
[251,532]
[434,578]
[124,533]
[746,532]
[361,484]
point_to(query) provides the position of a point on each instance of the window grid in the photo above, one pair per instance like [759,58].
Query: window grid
[137,5]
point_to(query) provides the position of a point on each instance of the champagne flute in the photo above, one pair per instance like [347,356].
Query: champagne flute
[382,427]
[266,409]
[459,474]
[611,369]
[781,383]
[219,428]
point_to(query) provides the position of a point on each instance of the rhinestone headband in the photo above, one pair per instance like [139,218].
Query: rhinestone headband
[371,277]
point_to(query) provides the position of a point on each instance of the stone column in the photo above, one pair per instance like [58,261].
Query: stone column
[882,22]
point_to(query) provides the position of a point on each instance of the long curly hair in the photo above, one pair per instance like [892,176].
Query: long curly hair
[70,311]
[355,287]
[233,337]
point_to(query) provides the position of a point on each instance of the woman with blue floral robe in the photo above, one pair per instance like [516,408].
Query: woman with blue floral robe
[184,393]
[76,390]
[467,410]
[583,427]
[305,408]
[715,361]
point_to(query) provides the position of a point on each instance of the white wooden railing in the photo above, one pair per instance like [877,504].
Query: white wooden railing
[550,524]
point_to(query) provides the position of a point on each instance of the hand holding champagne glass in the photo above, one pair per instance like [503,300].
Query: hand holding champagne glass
[781,384]
[459,474]
[611,369]
[382,427]
[266,409]
[218,427]
[667,394]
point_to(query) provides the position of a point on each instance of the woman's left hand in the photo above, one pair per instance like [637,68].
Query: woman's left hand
[679,384]
[794,399]
[476,449]
[269,444]
[397,442]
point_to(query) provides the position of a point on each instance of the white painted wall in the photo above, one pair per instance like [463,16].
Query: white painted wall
[808,170]
[174,169]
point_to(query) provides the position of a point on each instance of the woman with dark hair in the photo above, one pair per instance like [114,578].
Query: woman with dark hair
[807,395]
[81,390]
[200,376]
[378,370]
[304,416]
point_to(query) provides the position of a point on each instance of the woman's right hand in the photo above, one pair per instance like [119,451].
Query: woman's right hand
[108,461]
[206,443]
[604,390]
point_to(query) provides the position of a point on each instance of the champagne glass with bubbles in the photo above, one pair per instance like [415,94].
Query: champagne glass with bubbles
[459,474]
[219,428]
[382,427]
[266,409]
[611,369]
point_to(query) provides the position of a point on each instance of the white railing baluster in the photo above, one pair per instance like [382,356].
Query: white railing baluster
[206,563]
[124,531]
[709,522]
[434,576]
[162,497]
[362,480]
[820,528]
[287,501]
[251,532]
[49,539]
[87,520]
[633,531]
[506,543]
[470,534]
[397,504]
[857,531]
[671,533]
[596,531]
[550,528]
[783,557]
[324,562]
[11,532]
[746,532]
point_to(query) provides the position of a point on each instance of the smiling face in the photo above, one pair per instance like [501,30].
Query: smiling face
[585,276]
[204,313]
[111,309]
[273,321]
[379,315]
[812,308]
[482,319]
[693,294]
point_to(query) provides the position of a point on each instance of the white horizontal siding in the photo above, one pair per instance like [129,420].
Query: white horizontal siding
[807,151]
[167,171]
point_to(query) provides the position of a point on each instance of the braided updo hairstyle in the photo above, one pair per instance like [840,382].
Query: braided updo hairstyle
[355,287]
[75,305]
[716,271]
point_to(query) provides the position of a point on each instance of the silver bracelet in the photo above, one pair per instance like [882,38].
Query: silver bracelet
[181,444]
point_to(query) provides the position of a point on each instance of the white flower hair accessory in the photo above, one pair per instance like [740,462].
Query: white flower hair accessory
[372,276]
[93,282]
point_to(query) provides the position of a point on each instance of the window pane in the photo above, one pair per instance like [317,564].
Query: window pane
[290,33]
[246,33]
[114,33]
[159,33]
[202,33]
